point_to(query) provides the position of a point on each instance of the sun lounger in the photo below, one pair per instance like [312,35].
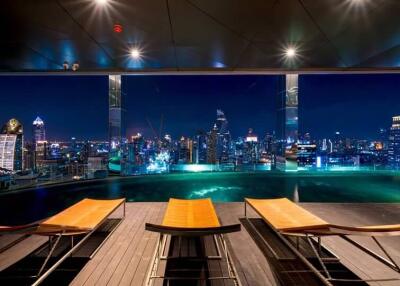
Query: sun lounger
[82,218]
[196,218]
[289,219]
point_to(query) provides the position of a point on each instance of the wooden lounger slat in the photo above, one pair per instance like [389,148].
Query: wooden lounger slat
[185,231]
[288,217]
[285,215]
[19,228]
[191,218]
[82,216]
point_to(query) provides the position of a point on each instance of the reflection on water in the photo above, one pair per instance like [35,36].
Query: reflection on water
[31,205]
[208,191]
[296,197]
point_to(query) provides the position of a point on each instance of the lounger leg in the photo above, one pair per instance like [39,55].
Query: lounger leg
[157,256]
[386,253]
[49,255]
[179,246]
[124,209]
[231,266]
[319,245]
[317,254]
[381,259]
[245,209]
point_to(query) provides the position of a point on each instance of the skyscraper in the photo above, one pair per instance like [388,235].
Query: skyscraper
[200,148]
[11,143]
[135,150]
[223,137]
[250,152]
[307,156]
[115,130]
[212,145]
[185,151]
[39,133]
[394,144]
[287,122]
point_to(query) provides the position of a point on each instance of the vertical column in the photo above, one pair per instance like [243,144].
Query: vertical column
[287,123]
[114,121]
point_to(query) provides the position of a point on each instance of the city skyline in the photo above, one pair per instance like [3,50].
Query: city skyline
[355,106]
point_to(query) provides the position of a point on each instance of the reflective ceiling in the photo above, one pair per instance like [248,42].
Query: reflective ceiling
[199,35]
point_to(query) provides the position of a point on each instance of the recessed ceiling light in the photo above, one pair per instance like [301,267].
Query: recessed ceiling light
[102,2]
[290,52]
[135,53]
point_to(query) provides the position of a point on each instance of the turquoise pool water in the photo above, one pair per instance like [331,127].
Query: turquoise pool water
[28,205]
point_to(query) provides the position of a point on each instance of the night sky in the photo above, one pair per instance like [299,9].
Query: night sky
[356,105]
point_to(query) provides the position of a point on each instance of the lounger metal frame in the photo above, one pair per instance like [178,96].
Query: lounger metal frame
[314,237]
[216,232]
[42,276]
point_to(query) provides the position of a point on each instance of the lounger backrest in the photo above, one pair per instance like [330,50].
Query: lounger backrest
[284,215]
[190,214]
[82,216]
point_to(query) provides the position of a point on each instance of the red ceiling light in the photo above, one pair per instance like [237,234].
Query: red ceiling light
[117,28]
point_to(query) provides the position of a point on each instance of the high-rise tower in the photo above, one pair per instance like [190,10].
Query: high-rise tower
[287,122]
[223,137]
[394,144]
[39,132]
[11,143]
[212,145]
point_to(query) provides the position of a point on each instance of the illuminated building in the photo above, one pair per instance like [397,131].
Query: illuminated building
[339,144]
[185,151]
[324,145]
[383,138]
[29,156]
[307,156]
[200,148]
[135,150]
[39,133]
[223,137]
[268,143]
[11,144]
[42,154]
[212,145]
[394,144]
[250,148]
[114,116]
[287,122]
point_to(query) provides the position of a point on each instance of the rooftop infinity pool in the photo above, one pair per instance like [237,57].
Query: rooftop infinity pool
[33,204]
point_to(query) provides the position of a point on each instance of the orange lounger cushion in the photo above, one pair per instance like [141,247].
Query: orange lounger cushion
[285,215]
[82,216]
[190,214]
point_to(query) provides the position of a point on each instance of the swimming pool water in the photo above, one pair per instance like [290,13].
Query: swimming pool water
[30,205]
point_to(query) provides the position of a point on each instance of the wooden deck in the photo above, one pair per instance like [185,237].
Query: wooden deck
[125,258]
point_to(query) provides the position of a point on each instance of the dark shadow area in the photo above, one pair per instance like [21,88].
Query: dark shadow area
[24,271]
[189,257]
[287,267]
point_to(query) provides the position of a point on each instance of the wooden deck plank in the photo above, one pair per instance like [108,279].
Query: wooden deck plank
[20,250]
[133,264]
[106,252]
[362,214]
[251,264]
[116,276]
[145,260]
[124,259]
[127,241]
